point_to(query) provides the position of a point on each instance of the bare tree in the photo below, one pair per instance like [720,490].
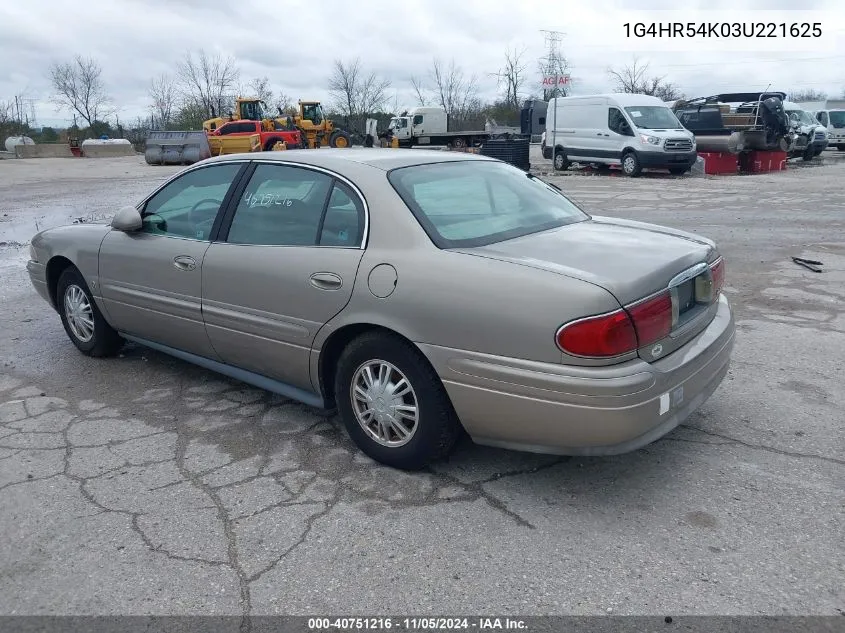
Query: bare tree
[354,92]
[419,91]
[207,81]
[284,104]
[511,77]
[7,113]
[78,86]
[162,92]
[799,96]
[456,93]
[634,79]
[260,88]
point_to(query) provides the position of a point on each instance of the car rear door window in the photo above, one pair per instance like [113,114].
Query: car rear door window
[187,206]
[343,224]
[281,206]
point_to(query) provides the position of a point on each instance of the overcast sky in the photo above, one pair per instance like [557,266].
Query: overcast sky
[294,42]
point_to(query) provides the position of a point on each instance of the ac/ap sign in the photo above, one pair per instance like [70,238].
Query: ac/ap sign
[553,81]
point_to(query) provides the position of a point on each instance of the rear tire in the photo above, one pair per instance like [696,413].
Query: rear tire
[677,171]
[271,143]
[631,164]
[82,319]
[841,148]
[376,415]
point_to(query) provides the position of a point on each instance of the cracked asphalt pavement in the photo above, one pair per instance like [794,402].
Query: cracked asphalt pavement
[144,485]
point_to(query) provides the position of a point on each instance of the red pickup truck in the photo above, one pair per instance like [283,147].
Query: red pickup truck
[293,138]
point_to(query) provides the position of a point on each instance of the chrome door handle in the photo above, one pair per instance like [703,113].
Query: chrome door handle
[326,281]
[184,262]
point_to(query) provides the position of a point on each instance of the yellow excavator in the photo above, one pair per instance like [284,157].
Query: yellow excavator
[310,120]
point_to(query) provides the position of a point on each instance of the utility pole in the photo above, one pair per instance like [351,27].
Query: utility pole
[553,63]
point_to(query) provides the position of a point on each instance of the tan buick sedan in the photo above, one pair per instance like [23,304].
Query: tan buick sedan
[420,293]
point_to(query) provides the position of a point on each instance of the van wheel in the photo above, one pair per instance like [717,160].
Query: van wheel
[560,162]
[841,148]
[677,171]
[631,164]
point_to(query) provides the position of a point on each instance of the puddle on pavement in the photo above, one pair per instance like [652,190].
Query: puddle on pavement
[18,229]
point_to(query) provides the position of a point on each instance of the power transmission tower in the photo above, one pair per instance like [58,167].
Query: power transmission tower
[554,63]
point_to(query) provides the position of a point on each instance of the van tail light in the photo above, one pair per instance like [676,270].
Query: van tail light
[717,272]
[600,336]
[652,318]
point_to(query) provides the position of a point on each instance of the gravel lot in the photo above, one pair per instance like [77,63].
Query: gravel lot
[143,485]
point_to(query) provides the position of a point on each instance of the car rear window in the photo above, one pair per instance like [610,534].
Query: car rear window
[475,203]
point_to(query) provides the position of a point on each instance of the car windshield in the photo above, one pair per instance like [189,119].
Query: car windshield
[802,117]
[653,117]
[837,118]
[475,203]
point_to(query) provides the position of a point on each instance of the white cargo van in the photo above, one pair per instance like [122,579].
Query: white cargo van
[834,121]
[631,130]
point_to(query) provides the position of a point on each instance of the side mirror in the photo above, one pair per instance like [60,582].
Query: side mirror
[128,219]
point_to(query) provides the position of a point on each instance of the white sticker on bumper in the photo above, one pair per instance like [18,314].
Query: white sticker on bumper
[664,403]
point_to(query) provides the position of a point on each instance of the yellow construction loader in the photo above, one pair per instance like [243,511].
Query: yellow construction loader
[309,120]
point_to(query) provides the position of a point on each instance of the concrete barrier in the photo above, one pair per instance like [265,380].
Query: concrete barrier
[43,150]
[97,148]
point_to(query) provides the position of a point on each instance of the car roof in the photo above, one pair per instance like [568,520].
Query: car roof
[336,158]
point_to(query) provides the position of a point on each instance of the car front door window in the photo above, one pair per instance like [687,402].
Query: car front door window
[188,206]
[281,206]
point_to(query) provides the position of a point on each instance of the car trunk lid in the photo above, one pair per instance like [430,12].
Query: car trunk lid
[631,260]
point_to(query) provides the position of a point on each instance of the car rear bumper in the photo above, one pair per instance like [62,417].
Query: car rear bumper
[546,408]
[38,277]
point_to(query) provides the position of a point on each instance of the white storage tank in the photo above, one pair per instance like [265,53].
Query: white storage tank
[13,141]
[97,147]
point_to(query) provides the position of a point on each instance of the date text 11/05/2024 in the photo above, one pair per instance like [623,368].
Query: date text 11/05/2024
[723,29]
[417,624]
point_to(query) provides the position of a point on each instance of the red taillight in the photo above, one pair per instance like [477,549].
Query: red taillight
[717,271]
[652,318]
[600,336]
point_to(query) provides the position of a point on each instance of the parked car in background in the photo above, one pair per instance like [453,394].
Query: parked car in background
[420,293]
[632,130]
[810,137]
[834,122]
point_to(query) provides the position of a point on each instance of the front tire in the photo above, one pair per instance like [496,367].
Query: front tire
[393,404]
[82,319]
[631,165]
[340,138]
